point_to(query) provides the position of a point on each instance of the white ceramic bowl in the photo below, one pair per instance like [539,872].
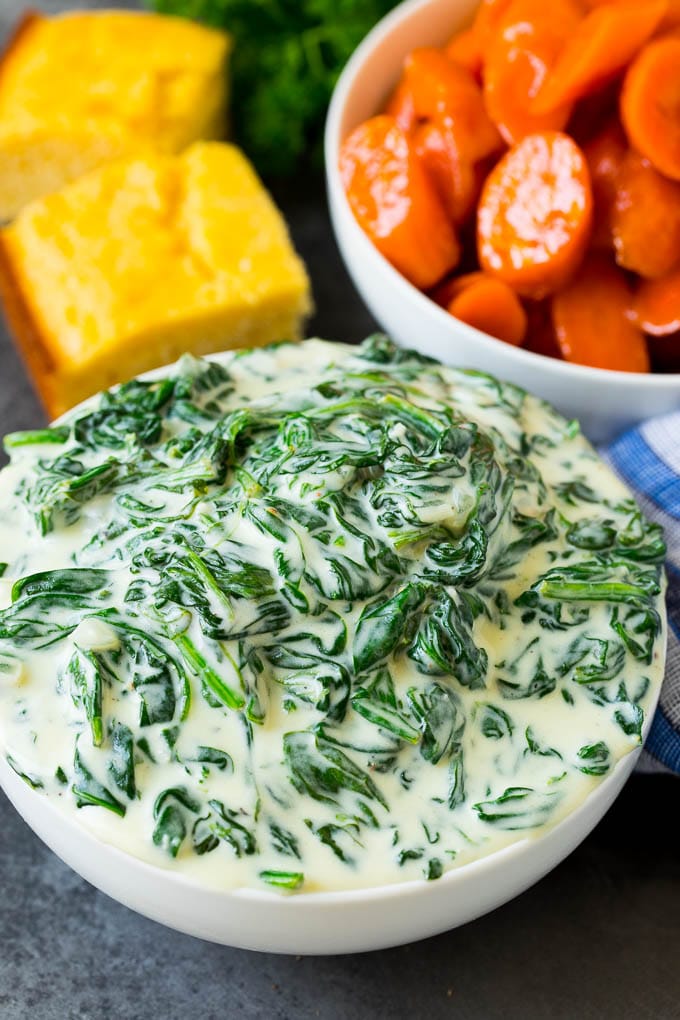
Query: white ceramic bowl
[605,402]
[313,923]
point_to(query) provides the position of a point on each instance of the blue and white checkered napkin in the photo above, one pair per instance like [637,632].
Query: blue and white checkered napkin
[647,458]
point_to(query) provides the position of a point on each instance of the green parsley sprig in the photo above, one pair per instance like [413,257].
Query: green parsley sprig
[288,56]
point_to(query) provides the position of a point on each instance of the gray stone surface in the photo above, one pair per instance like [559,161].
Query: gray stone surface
[598,939]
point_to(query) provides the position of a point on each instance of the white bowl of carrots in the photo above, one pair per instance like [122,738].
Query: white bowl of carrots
[504,185]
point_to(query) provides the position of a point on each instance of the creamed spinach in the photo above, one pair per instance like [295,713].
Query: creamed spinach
[319,617]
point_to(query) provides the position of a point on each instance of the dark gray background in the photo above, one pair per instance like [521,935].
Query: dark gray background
[598,938]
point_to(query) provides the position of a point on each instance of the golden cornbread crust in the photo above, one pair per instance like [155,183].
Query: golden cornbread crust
[17,37]
[128,83]
[142,260]
[25,330]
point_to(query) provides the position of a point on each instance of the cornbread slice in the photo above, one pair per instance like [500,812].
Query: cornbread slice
[81,89]
[142,260]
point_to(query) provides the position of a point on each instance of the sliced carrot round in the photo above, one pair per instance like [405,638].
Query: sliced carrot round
[650,105]
[440,88]
[400,105]
[488,18]
[453,175]
[448,289]
[490,305]
[517,61]
[645,219]
[671,18]
[395,203]
[600,48]
[605,154]
[592,320]
[465,49]
[511,73]
[656,307]
[534,216]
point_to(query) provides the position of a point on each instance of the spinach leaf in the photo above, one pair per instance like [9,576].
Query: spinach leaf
[88,791]
[31,780]
[541,684]
[495,723]
[384,626]
[225,825]
[325,685]
[443,643]
[47,607]
[594,759]
[85,674]
[171,811]
[456,792]
[518,807]
[122,762]
[153,681]
[377,702]
[57,435]
[323,771]
[440,717]
[283,879]
[283,841]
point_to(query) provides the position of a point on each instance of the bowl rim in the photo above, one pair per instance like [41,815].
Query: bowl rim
[567,371]
[333,897]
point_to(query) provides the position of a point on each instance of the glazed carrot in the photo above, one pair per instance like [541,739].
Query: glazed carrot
[511,74]
[441,88]
[656,307]
[534,216]
[591,316]
[444,293]
[604,155]
[437,84]
[492,306]
[465,49]
[670,20]
[645,219]
[452,174]
[394,202]
[650,104]
[487,20]
[528,42]
[601,47]
[400,106]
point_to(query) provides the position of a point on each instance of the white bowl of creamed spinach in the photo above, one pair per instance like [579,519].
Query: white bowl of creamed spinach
[315,648]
